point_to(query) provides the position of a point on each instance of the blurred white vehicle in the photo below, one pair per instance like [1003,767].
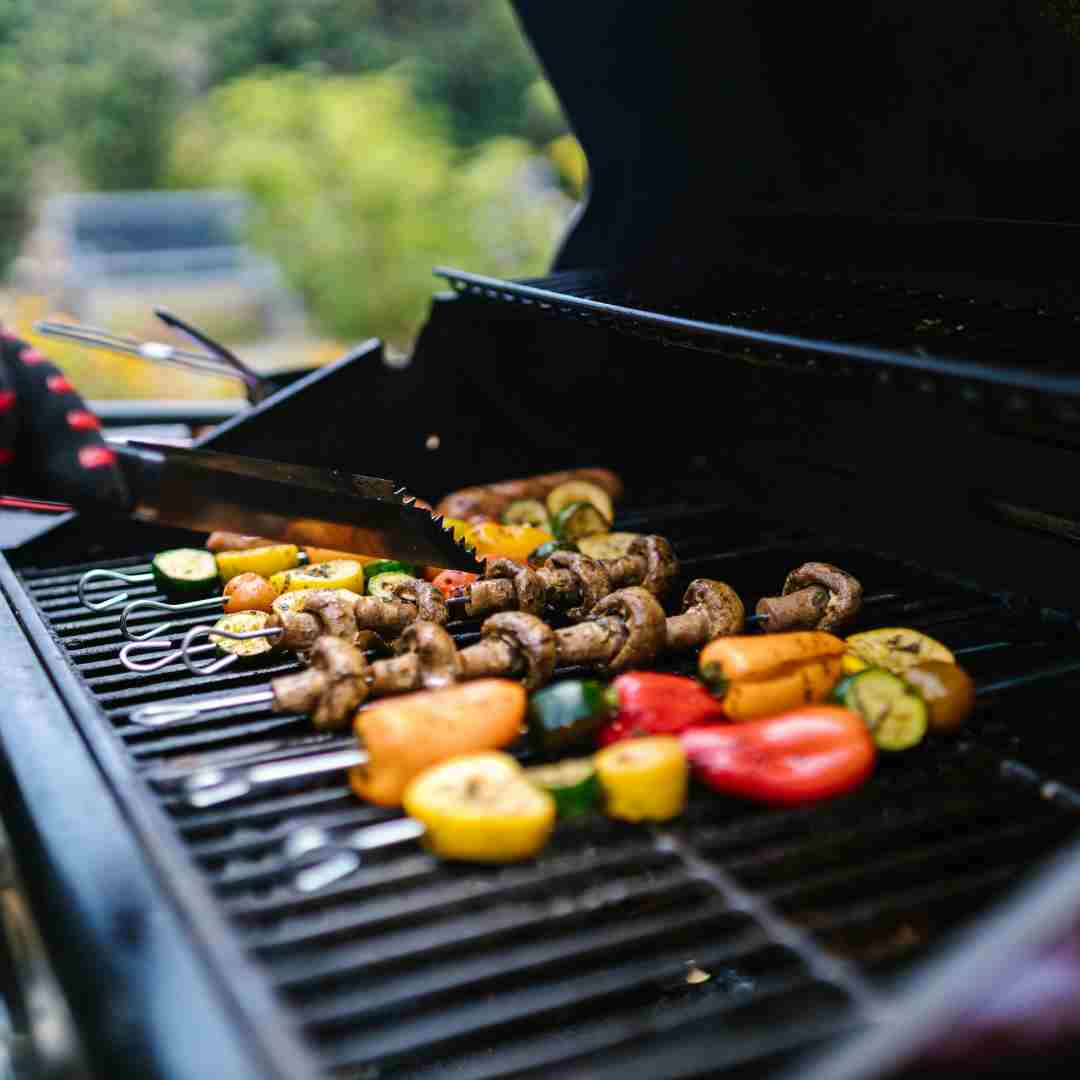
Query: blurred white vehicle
[109,259]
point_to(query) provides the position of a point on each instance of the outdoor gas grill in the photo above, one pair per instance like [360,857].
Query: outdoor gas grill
[850,336]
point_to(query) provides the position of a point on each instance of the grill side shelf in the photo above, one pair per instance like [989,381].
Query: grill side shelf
[86,837]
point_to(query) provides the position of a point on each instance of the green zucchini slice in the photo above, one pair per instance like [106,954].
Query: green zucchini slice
[527,512]
[382,585]
[896,715]
[185,570]
[573,784]
[578,520]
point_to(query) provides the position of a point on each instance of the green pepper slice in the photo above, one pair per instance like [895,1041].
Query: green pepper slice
[569,714]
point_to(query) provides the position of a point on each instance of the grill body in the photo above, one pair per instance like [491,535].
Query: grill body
[733,940]
[850,337]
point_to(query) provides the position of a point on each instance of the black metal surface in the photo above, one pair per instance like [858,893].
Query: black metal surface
[708,128]
[857,327]
[585,963]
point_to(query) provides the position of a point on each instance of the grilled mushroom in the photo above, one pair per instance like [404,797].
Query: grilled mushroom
[817,596]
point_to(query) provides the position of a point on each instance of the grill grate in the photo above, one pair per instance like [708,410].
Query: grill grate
[737,937]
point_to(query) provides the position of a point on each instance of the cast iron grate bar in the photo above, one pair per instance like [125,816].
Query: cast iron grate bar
[488,972]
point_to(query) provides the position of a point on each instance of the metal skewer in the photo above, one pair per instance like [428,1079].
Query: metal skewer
[142,578]
[210,603]
[345,857]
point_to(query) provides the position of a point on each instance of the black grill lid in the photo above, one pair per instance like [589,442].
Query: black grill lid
[857,124]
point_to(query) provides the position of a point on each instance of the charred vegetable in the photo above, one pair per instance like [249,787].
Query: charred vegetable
[507,541]
[481,808]
[581,491]
[759,675]
[336,574]
[266,561]
[578,520]
[406,735]
[389,566]
[947,690]
[239,623]
[526,512]
[546,550]
[249,592]
[894,648]
[573,784]
[185,570]
[569,714]
[607,545]
[644,779]
[651,703]
[895,714]
[797,757]
[383,585]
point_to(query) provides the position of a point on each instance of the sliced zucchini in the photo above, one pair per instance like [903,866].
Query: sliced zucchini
[573,784]
[607,545]
[895,714]
[578,520]
[185,570]
[526,512]
[541,554]
[382,585]
[574,491]
[335,574]
[266,561]
[389,566]
[295,601]
[897,648]
[241,623]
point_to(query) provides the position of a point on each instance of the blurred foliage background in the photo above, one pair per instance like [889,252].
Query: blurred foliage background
[376,137]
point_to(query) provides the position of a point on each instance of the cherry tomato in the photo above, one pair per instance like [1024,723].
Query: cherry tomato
[249,592]
[453,583]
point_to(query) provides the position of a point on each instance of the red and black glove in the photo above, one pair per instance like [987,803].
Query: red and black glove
[50,443]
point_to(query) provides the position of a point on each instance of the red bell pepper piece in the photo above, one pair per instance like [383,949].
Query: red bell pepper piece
[800,756]
[453,583]
[650,703]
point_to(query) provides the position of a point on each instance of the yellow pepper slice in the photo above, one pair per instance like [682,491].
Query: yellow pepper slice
[508,541]
[896,649]
[643,779]
[335,574]
[481,808]
[265,561]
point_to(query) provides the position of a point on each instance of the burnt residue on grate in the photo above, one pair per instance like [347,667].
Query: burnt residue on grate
[735,937]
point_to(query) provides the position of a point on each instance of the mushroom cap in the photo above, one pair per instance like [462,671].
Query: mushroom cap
[336,614]
[662,565]
[646,625]
[845,591]
[719,603]
[593,582]
[344,670]
[430,602]
[531,638]
[435,650]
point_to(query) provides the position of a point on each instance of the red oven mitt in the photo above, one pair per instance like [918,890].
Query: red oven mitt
[50,443]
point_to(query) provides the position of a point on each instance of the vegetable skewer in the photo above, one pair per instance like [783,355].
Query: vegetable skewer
[568,581]
[627,629]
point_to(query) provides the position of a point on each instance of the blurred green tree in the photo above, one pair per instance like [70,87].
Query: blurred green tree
[361,191]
